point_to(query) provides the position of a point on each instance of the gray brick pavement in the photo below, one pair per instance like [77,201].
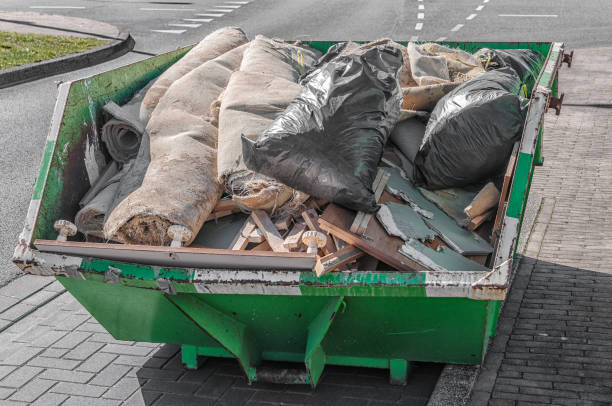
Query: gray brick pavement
[58,354]
[554,339]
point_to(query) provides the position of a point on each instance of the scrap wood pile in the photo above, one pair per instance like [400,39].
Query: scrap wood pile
[368,153]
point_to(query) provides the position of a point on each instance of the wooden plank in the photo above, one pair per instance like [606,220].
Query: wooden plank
[228,204]
[256,236]
[360,224]
[215,215]
[294,238]
[270,232]
[375,241]
[264,246]
[486,199]
[332,261]
[241,240]
[181,257]
[283,223]
[312,221]
[478,220]
[503,195]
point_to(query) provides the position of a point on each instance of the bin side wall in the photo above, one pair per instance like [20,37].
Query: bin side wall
[417,329]
[75,153]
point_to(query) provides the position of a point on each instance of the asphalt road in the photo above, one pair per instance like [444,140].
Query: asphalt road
[160,26]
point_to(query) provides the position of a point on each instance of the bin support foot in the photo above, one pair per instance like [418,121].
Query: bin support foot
[398,371]
[315,356]
[190,357]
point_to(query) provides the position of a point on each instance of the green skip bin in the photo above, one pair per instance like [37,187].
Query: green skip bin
[264,307]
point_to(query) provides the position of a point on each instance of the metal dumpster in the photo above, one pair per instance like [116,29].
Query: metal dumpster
[374,318]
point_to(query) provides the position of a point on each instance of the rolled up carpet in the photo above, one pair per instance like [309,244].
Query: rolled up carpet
[180,186]
[122,134]
[213,45]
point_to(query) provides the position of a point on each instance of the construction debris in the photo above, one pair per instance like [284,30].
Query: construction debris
[255,139]
[486,199]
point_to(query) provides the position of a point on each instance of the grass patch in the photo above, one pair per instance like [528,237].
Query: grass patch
[20,49]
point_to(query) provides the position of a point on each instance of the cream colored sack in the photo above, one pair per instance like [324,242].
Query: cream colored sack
[213,45]
[180,186]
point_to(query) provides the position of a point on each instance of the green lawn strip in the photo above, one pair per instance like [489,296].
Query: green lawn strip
[20,49]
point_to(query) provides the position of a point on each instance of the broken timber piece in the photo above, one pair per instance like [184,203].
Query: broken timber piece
[504,193]
[256,236]
[375,242]
[270,232]
[227,205]
[312,221]
[215,215]
[242,238]
[283,223]
[478,220]
[294,239]
[332,261]
[314,240]
[179,235]
[264,246]
[363,219]
[486,199]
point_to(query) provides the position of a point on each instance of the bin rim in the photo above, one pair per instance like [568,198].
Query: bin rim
[492,285]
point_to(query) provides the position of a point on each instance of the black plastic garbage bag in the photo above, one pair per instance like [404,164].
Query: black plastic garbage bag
[525,62]
[329,140]
[471,132]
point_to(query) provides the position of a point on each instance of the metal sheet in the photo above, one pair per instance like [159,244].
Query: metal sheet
[461,240]
[182,257]
[443,259]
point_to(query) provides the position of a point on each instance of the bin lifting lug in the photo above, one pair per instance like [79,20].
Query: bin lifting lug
[555,103]
[567,58]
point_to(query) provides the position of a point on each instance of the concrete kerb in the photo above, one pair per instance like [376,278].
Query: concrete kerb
[123,44]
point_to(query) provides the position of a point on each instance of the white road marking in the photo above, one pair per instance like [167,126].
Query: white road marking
[441,39]
[167,9]
[471,16]
[198,20]
[170,31]
[222,10]
[59,7]
[421,16]
[418,27]
[236,2]
[479,7]
[229,6]
[421,7]
[457,27]
[210,15]
[414,38]
[529,15]
[186,25]
[485,1]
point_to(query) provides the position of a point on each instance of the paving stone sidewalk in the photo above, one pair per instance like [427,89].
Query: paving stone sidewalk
[53,352]
[554,338]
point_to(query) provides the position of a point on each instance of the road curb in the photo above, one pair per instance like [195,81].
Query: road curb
[25,73]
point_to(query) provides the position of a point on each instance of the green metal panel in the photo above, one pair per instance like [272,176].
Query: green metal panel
[62,179]
[377,319]
[135,314]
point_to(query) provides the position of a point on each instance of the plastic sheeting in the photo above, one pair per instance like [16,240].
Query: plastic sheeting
[329,140]
[471,131]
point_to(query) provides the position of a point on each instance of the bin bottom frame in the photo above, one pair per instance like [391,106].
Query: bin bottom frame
[193,357]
